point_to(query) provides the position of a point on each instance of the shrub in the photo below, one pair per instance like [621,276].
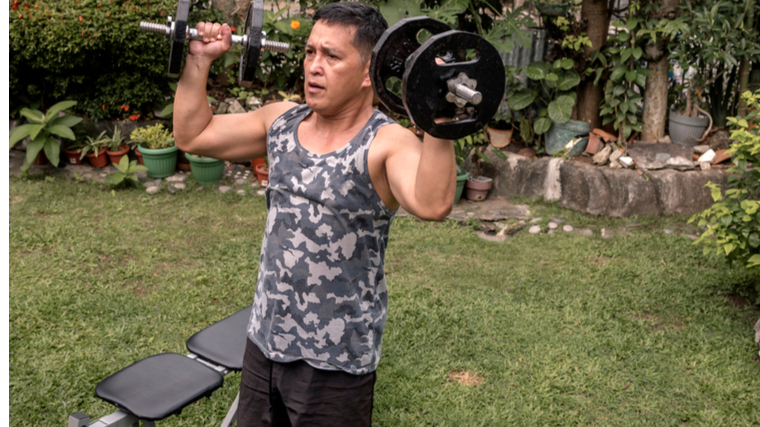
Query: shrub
[152,137]
[734,219]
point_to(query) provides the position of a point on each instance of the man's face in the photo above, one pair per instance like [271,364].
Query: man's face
[334,73]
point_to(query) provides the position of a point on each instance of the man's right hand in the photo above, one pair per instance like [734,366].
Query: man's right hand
[217,40]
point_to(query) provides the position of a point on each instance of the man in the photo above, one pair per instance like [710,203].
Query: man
[339,170]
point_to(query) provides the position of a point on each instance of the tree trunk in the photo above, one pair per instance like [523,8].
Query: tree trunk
[597,18]
[744,66]
[656,102]
[656,95]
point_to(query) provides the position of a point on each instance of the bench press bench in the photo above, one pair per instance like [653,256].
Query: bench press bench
[159,386]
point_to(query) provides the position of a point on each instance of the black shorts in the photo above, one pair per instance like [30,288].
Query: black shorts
[297,394]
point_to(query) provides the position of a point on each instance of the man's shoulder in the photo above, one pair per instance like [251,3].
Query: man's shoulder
[274,111]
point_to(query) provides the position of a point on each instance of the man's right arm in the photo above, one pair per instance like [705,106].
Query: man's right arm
[196,129]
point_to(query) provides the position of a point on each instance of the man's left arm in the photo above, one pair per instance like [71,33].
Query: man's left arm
[422,177]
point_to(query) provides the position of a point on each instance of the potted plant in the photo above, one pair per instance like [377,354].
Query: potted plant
[73,152]
[262,173]
[499,129]
[95,150]
[41,128]
[206,170]
[462,150]
[115,146]
[552,7]
[157,147]
[476,185]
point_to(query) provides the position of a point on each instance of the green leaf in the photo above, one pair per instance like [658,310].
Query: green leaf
[18,133]
[522,99]
[623,36]
[637,53]
[716,195]
[537,70]
[62,131]
[729,247]
[138,168]
[568,80]
[561,109]
[641,80]
[630,76]
[618,90]
[567,63]
[115,178]
[34,116]
[645,72]
[551,77]
[52,150]
[167,111]
[35,130]
[617,73]
[33,148]
[631,24]
[53,111]
[542,125]
[626,54]
[123,165]
[68,121]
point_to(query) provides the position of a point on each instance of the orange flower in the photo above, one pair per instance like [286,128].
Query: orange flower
[80,18]
[233,29]
[295,24]
[20,15]
[134,117]
[124,107]
[104,106]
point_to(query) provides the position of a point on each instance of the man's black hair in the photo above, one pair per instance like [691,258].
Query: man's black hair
[369,23]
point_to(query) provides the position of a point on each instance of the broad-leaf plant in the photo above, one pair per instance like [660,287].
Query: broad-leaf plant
[44,129]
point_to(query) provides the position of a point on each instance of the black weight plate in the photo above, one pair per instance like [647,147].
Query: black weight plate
[391,52]
[177,40]
[249,57]
[425,87]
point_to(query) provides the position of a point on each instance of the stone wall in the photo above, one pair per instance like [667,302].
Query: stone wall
[601,190]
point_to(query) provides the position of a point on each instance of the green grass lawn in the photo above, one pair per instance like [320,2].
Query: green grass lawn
[541,330]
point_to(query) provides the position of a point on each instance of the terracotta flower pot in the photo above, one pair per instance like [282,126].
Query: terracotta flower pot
[257,161]
[41,158]
[477,188]
[139,156]
[116,156]
[73,157]
[262,174]
[98,160]
[499,138]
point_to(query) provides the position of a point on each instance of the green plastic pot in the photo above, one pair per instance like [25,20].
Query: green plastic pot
[161,162]
[461,179]
[205,169]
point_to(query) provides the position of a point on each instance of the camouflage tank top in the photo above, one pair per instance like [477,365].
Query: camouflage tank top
[321,294]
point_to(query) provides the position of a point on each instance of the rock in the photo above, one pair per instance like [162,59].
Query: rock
[492,237]
[608,137]
[708,156]
[261,192]
[180,185]
[665,140]
[241,192]
[721,156]
[615,165]
[567,228]
[624,232]
[148,184]
[87,175]
[594,145]
[527,152]
[222,108]
[177,177]
[704,166]
[757,333]
[535,220]
[550,232]
[586,232]
[661,156]
[153,190]
[668,230]
[236,108]
[240,181]
[701,149]
[158,181]
[230,100]
[558,220]
[224,188]
[253,103]
[142,175]
[720,140]
[607,233]
[553,225]
[615,155]
[603,156]
[626,162]
[535,229]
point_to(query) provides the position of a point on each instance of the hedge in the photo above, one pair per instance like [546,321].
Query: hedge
[90,51]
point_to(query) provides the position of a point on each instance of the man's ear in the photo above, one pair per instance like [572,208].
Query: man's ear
[367,82]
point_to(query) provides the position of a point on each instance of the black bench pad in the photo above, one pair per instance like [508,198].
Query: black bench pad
[223,343]
[159,386]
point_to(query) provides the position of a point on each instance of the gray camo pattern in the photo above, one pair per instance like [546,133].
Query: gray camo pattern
[321,294]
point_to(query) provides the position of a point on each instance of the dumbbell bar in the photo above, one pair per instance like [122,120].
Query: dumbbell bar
[150,27]
[253,41]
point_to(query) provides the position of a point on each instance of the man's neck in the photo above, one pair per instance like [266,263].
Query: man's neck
[323,133]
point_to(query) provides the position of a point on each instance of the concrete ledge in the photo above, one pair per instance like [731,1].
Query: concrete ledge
[601,190]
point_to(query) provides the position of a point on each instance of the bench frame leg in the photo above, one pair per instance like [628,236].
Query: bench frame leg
[231,417]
